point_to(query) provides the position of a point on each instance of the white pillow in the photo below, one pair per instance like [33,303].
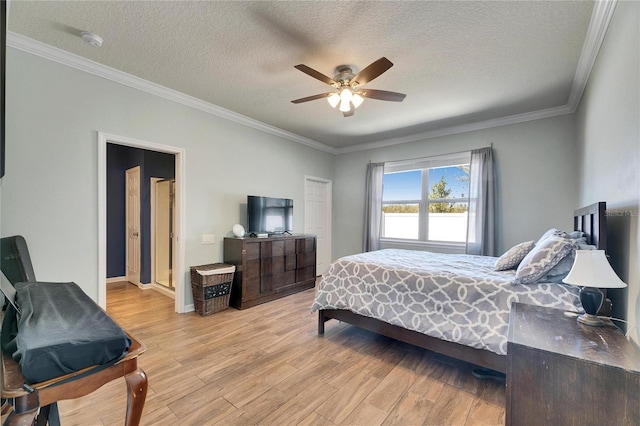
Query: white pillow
[544,256]
[553,232]
[512,257]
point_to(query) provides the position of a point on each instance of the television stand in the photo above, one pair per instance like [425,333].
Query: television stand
[270,268]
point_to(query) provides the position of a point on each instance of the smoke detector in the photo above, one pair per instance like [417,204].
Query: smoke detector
[91,38]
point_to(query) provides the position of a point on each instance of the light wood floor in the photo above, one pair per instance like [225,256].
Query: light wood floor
[266,365]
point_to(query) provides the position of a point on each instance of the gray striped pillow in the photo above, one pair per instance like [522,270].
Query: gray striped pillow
[512,257]
[544,256]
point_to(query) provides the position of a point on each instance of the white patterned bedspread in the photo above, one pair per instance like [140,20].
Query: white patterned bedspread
[453,297]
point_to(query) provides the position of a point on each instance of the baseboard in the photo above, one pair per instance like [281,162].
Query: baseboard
[113,280]
[164,290]
[189,308]
[147,286]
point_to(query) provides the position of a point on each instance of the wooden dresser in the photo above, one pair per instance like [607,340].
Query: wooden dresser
[560,372]
[270,268]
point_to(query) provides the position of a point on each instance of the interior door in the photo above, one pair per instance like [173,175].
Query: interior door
[132,208]
[317,218]
[164,232]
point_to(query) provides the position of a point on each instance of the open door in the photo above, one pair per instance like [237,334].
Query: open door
[133,225]
[163,232]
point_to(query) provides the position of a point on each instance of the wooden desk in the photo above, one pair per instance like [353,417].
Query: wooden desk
[26,404]
[561,372]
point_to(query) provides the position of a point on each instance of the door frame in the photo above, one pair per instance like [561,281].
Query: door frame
[328,213]
[179,268]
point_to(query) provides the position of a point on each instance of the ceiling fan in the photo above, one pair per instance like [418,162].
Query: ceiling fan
[349,93]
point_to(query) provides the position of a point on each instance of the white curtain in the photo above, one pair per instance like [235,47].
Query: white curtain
[481,228]
[373,206]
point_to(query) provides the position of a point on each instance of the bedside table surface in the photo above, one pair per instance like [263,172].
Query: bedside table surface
[558,331]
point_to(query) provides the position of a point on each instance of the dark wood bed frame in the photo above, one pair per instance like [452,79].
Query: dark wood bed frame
[591,220]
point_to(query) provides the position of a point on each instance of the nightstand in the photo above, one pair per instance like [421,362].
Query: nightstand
[561,372]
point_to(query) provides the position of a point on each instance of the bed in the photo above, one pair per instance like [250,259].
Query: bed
[456,305]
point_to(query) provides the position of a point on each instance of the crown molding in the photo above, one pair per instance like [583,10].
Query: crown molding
[600,20]
[463,128]
[46,51]
[598,26]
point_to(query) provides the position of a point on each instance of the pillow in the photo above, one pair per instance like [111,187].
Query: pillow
[512,257]
[553,232]
[582,244]
[561,270]
[544,256]
[574,235]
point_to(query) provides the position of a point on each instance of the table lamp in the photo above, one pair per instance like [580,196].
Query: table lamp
[591,271]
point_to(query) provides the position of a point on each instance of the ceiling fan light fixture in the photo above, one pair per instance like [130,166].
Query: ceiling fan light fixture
[346,94]
[345,99]
[345,106]
[356,100]
[333,99]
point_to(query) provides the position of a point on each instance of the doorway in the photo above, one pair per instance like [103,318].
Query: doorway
[178,268]
[162,234]
[317,218]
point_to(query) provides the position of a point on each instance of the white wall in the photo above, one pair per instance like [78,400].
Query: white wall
[536,170]
[49,193]
[608,122]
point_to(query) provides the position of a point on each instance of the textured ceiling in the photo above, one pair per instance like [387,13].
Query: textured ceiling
[458,62]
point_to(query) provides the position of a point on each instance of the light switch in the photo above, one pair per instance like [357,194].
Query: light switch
[208,239]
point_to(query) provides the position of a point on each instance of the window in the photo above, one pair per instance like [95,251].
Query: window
[426,200]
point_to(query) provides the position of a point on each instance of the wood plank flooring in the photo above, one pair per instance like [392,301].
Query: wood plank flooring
[267,366]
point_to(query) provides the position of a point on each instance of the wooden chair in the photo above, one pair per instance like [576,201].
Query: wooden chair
[27,401]
[21,403]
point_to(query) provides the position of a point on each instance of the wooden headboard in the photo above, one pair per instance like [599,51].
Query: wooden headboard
[592,220]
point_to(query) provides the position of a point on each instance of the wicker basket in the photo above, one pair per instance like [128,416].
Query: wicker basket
[211,306]
[211,289]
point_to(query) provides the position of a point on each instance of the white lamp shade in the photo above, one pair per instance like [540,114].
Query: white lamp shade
[356,100]
[333,99]
[345,106]
[345,100]
[346,94]
[592,269]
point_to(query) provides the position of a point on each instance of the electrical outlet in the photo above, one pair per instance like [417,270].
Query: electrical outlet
[208,239]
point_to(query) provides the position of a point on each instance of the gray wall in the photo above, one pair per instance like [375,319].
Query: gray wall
[608,123]
[49,193]
[535,164]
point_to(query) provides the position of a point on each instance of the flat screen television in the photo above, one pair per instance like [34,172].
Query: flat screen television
[269,215]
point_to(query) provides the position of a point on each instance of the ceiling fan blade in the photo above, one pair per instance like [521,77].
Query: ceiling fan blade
[350,112]
[311,98]
[315,74]
[373,71]
[382,95]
